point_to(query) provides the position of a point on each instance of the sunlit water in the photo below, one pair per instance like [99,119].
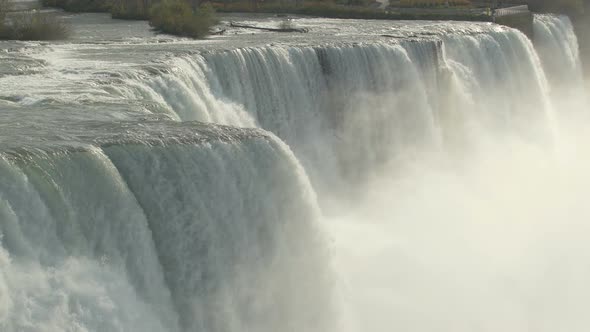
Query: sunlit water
[366,176]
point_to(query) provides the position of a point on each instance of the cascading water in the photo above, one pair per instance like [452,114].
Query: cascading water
[558,48]
[330,103]
[451,198]
[231,258]
[146,234]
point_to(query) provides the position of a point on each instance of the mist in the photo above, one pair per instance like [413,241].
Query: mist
[490,234]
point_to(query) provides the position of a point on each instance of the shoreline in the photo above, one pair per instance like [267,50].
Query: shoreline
[353,12]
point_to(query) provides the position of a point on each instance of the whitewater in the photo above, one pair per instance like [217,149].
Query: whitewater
[366,176]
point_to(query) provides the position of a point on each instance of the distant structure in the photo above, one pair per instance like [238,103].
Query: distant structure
[518,17]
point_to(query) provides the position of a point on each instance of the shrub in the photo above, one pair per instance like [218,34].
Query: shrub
[434,3]
[178,18]
[33,26]
[5,6]
[79,6]
[130,10]
[333,10]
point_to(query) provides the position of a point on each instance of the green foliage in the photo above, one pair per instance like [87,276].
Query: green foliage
[333,10]
[178,18]
[434,3]
[33,26]
[79,6]
[169,16]
[5,7]
[130,10]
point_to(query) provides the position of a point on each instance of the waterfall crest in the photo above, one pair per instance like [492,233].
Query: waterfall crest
[347,109]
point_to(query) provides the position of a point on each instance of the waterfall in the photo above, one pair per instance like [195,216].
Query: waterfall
[180,195]
[348,109]
[558,48]
[207,234]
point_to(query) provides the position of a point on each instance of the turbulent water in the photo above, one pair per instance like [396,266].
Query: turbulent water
[367,176]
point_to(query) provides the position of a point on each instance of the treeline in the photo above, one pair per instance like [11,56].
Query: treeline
[353,9]
[186,18]
[79,6]
[434,3]
[29,25]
